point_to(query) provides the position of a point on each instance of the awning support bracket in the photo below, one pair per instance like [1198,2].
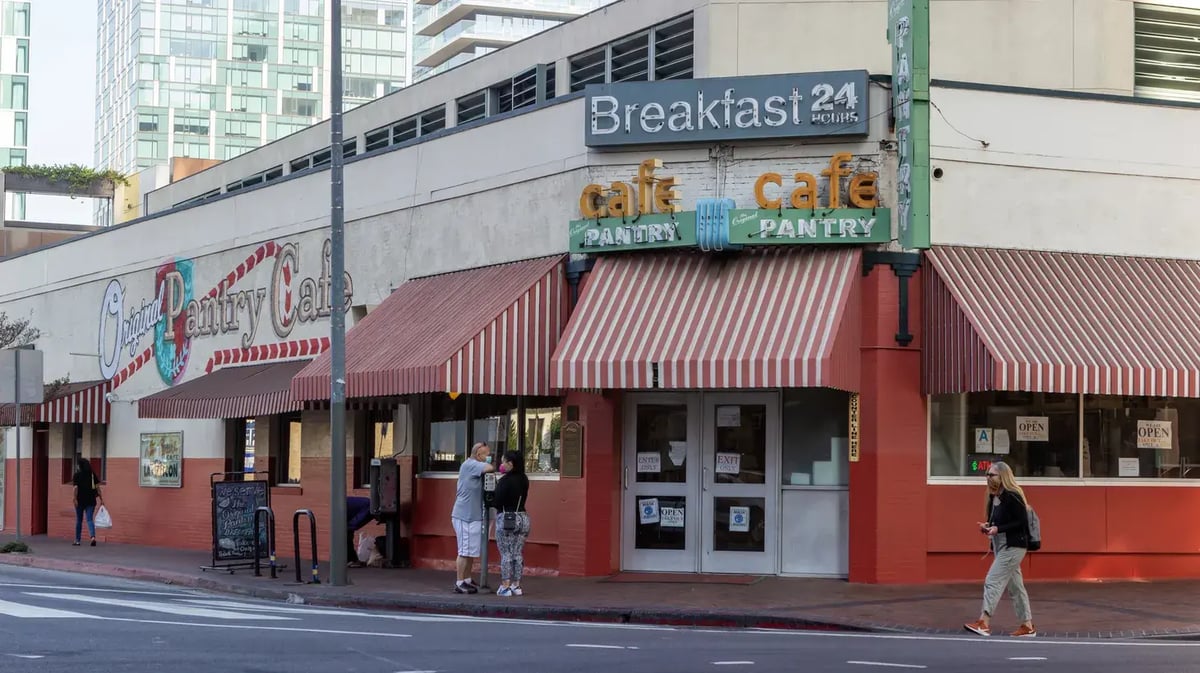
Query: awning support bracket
[904,265]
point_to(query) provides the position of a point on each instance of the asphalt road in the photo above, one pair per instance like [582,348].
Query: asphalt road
[57,622]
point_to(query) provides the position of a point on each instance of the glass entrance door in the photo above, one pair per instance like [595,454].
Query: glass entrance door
[700,483]
[740,483]
[661,508]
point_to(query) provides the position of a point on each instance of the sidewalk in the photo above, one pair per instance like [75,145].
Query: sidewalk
[1076,610]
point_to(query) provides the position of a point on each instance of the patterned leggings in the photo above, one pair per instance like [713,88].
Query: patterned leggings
[512,546]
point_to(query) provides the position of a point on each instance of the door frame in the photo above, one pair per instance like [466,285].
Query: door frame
[657,560]
[696,489]
[768,561]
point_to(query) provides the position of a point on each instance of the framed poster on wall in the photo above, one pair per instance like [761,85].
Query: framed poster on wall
[161,460]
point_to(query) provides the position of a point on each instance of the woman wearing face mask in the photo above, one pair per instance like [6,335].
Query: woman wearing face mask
[512,522]
[1008,528]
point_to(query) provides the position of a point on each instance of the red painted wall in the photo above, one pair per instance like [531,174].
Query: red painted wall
[1089,532]
[887,483]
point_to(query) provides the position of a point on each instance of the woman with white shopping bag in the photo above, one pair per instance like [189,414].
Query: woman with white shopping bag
[87,494]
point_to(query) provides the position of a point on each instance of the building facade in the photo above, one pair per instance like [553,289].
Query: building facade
[213,79]
[681,298]
[447,33]
[14,94]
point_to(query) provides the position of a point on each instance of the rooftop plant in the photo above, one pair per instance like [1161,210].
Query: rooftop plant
[78,178]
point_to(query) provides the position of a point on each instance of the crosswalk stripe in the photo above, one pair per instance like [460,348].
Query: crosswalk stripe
[234,605]
[35,612]
[167,608]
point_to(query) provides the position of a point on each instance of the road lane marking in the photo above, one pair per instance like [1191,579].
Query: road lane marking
[115,591]
[1027,658]
[733,663]
[884,664]
[26,656]
[234,605]
[167,608]
[256,627]
[601,647]
[36,612]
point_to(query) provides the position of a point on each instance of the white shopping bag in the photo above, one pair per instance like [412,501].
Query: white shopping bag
[103,519]
[365,545]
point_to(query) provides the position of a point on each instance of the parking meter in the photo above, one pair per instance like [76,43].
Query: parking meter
[489,497]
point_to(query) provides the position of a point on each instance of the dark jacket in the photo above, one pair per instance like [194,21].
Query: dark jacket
[512,492]
[1011,518]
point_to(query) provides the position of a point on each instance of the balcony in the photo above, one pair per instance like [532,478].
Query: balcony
[434,18]
[488,31]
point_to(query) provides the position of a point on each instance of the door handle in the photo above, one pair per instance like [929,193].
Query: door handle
[704,479]
[625,478]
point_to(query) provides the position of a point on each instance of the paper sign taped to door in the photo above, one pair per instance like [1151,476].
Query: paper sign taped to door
[729,417]
[983,440]
[729,463]
[649,461]
[739,519]
[678,453]
[672,517]
[648,510]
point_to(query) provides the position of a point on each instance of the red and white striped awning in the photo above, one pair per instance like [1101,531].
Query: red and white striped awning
[1056,322]
[763,319]
[487,331]
[81,402]
[232,392]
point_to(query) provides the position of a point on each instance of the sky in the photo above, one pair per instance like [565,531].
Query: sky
[62,99]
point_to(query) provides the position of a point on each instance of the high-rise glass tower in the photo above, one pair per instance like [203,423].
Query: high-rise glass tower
[451,32]
[211,79]
[14,94]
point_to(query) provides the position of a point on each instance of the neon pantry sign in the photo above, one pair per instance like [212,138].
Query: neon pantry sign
[176,317]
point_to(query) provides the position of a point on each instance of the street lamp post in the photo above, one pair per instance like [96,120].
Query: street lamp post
[337,318]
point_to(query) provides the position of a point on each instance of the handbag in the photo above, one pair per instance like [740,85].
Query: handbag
[508,520]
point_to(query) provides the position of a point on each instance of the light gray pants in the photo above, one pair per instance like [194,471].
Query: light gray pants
[1005,573]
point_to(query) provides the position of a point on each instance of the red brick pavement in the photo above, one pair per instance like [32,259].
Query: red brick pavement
[1091,609]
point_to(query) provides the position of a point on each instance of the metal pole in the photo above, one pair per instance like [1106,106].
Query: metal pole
[17,409]
[337,318]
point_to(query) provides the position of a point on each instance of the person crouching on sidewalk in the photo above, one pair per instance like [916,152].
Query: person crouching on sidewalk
[1008,529]
[512,494]
[467,515]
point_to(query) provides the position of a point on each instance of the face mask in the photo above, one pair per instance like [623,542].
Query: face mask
[488,460]
[503,468]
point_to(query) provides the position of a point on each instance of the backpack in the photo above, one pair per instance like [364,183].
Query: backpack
[1035,531]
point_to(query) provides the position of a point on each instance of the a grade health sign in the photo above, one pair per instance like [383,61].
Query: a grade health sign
[802,105]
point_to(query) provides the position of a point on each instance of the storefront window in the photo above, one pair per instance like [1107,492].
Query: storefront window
[287,455]
[1036,433]
[1141,437]
[816,437]
[496,420]
[374,433]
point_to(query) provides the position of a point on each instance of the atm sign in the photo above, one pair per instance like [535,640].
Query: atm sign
[978,466]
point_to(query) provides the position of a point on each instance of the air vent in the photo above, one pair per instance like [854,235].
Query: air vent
[1166,52]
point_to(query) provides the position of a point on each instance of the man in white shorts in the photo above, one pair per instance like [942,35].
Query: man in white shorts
[467,515]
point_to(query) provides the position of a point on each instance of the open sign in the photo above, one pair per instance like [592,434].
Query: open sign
[1033,428]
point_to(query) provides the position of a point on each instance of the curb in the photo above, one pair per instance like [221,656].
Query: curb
[420,604]
[337,598]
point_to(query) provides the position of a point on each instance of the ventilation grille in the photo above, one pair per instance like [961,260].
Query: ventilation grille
[1167,52]
[666,51]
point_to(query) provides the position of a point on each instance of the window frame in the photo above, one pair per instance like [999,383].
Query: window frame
[1140,482]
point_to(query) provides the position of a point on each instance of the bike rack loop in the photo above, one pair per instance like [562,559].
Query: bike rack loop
[312,523]
[270,516]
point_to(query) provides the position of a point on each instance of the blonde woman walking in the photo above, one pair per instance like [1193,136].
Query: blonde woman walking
[1008,527]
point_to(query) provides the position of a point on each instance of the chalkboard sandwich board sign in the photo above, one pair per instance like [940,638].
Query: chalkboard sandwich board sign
[235,498]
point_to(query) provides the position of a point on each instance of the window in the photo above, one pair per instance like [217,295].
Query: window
[18,94]
[504,423]
[378,139]
[1141,437]
[374,437]
[243,103]
[20,129]
[816,431]
[307,32]
[255,53]
[299,107]
[303,7]
[664,52]
[472,107]
[1036,433]
[296,56]
[1166,45]
[288,455]
[22,56]
[150,149]
[433,120]
[192,125]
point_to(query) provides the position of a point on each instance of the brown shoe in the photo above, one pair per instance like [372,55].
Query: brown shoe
[978,627]
[1025,632]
